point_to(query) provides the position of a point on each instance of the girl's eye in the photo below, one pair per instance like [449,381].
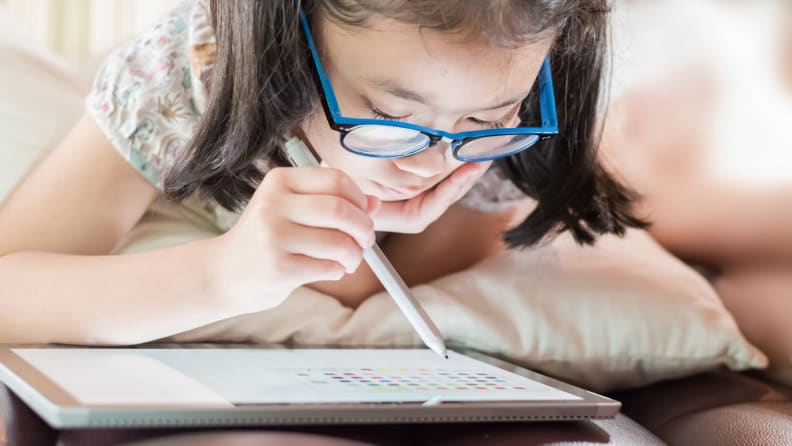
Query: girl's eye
[379,114]
[510,119]
[488,124]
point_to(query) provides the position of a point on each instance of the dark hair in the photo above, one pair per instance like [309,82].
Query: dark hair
[262,88]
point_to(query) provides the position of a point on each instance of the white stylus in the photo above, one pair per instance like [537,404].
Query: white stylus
[301,156]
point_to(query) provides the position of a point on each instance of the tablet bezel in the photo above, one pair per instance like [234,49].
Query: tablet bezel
[59,409]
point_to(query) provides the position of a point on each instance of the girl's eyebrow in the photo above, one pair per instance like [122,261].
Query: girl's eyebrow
[400,92]
[511,101]
[394,89]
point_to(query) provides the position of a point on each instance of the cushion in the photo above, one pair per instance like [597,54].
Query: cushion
[621,314]
[40,100]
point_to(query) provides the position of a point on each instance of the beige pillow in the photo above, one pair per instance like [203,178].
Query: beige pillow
[40,100]
[621,314]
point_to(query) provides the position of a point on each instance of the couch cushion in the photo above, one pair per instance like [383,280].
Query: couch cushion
[619,431]
[40,99]
[718,408]
[249,438]
[749,424]
[623,313]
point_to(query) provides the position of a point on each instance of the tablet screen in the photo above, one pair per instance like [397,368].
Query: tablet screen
[225,377]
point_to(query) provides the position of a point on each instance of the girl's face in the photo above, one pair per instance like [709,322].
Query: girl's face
[392,70]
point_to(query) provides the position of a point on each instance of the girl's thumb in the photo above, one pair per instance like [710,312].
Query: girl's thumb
[372,204]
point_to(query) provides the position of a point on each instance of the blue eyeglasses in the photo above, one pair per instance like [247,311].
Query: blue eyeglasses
[382,138]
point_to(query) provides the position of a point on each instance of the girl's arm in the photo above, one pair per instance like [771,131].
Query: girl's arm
[79,202]
[48,297]
[300,226]
[80,199]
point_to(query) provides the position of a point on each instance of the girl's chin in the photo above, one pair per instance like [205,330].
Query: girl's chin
[385,193]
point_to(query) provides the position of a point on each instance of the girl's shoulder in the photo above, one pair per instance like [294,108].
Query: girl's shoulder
[149,94]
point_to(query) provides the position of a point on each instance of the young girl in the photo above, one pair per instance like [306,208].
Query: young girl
[407,103]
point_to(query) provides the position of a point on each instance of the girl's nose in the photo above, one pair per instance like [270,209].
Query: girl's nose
[428,163]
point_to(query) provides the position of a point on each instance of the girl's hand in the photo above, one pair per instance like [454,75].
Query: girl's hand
[302,225]
[416,214]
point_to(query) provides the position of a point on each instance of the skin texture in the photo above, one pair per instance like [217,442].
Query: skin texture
[303,226]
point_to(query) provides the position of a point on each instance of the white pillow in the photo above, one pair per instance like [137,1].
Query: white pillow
[40,100]
[621,314]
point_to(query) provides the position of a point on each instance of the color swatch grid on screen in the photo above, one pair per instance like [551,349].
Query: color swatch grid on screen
[409,379]
[260,376]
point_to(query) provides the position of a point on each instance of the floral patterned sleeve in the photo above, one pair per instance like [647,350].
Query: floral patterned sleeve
[145,97]
[493,192]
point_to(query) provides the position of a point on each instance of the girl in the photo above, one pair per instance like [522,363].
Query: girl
[408,103]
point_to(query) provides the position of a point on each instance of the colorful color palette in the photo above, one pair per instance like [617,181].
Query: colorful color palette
[402,379]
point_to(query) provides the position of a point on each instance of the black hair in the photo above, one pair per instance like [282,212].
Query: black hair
[262,87]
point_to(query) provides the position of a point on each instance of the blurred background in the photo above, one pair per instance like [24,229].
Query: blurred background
[701,89]
[81,29]
[700,98]
[695,82]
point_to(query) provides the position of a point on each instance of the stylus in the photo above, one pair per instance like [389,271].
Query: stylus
[301,156]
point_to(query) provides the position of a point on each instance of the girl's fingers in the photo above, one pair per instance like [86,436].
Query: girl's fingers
[331,212]
[373,205]
[438,199]
[323,244]
[457,184]
[316,269]
[319,180]
[415,214]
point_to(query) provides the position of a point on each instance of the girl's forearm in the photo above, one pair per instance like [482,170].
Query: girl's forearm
[112,300]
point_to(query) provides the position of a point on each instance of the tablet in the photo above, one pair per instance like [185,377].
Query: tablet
[257,386]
